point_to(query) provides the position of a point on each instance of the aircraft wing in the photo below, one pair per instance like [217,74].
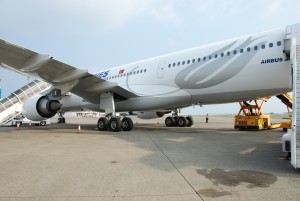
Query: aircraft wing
[43,66]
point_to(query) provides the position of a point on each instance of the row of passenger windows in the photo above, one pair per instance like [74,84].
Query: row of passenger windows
[127,74]
[263,46]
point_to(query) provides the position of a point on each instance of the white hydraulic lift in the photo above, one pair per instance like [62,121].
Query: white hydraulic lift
[292,50]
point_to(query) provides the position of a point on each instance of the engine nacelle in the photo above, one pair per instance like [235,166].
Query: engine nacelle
[38,108]
[150,115]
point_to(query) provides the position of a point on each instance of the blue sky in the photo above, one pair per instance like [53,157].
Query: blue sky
[98,34]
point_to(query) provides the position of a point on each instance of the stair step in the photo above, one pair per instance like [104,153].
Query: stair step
[19,96]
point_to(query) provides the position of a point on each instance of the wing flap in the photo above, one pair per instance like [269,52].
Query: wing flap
[91,87]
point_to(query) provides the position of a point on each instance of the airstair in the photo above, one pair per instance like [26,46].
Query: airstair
[12,105]
[292,50]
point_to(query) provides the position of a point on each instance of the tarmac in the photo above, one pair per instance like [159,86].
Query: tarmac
[209,161]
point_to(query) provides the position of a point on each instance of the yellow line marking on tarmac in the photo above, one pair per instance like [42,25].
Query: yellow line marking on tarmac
[274,142]
[180,139]
[248,151]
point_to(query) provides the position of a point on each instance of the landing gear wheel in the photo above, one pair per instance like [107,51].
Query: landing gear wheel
[61,120]
[170,122]
[127,124]
[181,121]
[175,121]
[190,121]
[115,124]
[102,124]
[43,123]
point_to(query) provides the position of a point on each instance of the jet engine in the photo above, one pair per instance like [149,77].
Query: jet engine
[150,115]
[38,108]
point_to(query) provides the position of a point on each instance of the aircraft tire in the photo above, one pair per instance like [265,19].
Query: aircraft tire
[182,121]
[170,122]
[102,124]
[127,124]
[61,120]
[190,121]
[115,124]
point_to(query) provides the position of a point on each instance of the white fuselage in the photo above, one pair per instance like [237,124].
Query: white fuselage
[244,68]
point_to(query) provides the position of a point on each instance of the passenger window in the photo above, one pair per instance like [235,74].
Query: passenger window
[183,62]
[178,64]
[174,64]
[222,54]
[188,61]
[228,53]
[241,50]
[279,43]
[209,57]
[193,60]
[169,65]
[263,46]
[255,48]
[234,51]
[270,44]
[145,70]
[216,56]
[248,49]
[199,59]
[204,58]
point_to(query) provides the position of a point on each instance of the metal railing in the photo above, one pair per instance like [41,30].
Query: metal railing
[22,94]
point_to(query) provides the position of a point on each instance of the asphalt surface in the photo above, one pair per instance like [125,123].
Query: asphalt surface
[206,162]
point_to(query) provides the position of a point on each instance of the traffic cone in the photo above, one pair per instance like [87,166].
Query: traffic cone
[79,129]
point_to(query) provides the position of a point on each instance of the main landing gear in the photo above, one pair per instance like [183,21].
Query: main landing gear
[115,124]
[112,122]
[180,121]
[61,119]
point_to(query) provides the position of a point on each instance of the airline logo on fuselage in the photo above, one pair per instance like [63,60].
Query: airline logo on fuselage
[274,60]
[103,74]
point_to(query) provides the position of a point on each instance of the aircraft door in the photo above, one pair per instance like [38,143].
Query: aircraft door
[161,68]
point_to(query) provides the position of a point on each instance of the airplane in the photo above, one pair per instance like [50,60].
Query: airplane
[239,69]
